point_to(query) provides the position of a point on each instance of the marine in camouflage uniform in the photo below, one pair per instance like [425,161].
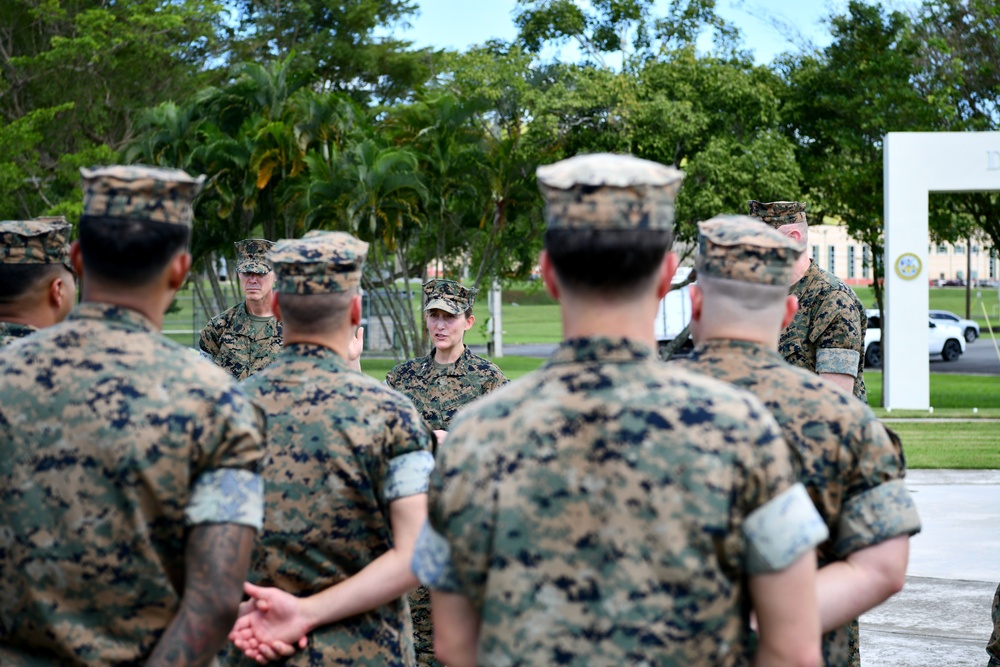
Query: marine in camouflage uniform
[847,461]
[343,450]
[236,339]
[993,647]
[827,334]
[438,390]
[129,492]
[37,282]
[607,509]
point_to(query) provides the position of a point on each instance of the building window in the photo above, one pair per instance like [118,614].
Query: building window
[850,261]
[829,262]
[975,250]
[942,249]
[816,254]
[866,260]
[993,265]
[960,250]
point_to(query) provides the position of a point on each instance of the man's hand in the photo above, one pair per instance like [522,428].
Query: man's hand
[355,348]
[440,435]
[273,626]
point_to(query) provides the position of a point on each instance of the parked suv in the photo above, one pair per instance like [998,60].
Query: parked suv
[969,328]
[943,339]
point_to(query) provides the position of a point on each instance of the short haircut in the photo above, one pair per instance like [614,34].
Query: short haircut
[802,228]
[129,251]
[18,280]
[606,262]
[315,313]
[752,304]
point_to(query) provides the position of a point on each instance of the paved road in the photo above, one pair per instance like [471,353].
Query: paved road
[980,357]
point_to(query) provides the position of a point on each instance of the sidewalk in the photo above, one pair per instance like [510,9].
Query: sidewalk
[942,616]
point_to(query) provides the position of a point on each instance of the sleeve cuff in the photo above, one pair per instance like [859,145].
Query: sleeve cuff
[432,561]
[877,515]
[781,530]
[836,360]
[408,475]
[227,495]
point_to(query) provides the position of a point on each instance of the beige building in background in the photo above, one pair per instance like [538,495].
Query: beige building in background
[834,250]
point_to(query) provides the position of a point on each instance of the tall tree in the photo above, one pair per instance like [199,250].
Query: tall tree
[960,65]
[344,46]
[81,73]
[841,102]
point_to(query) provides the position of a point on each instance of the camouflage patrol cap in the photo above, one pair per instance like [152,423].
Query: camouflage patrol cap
[38,241]
[778,213]
[737,247]
[449,296]
[318,263]
[140,193]
[251,256]
[605,191]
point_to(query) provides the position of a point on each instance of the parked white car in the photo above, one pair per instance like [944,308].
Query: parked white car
[943,339]
[970,328]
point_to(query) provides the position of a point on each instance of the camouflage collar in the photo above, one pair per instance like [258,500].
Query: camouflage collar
[811,274]
[744,348]
[16,330]
[457,368]
[600,349]
[119,316]
[317,354]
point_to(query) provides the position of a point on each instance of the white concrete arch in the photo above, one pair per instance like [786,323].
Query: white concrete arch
[916,164]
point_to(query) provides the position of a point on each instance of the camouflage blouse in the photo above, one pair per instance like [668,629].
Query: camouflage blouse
[440,390]
[11,331]
[608,510]
[341,448]
[114,441]
[827,334]
[234,343]
[850,465]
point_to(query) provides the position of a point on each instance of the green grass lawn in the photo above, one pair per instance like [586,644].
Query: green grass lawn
[513,367]
[948,392]
[960,445]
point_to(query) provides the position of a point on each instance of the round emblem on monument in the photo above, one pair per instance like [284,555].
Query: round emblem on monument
[908,266]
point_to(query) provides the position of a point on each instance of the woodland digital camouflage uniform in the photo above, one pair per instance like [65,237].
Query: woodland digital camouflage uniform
[438,391]
[39,241]
[596,511]
[851,467]
[341,448]
[232,338]
[12,331]
[827,334]
[108,434]
[114,442]
[607,510]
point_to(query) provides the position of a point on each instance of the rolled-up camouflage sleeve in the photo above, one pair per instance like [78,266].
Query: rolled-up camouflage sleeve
[877,506]
[781,523]
[226,484]
[462,513]
[838,334]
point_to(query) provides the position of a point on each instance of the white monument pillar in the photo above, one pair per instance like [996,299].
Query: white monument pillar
[916,164]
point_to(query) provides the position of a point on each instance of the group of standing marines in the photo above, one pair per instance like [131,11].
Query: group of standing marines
[609,509]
